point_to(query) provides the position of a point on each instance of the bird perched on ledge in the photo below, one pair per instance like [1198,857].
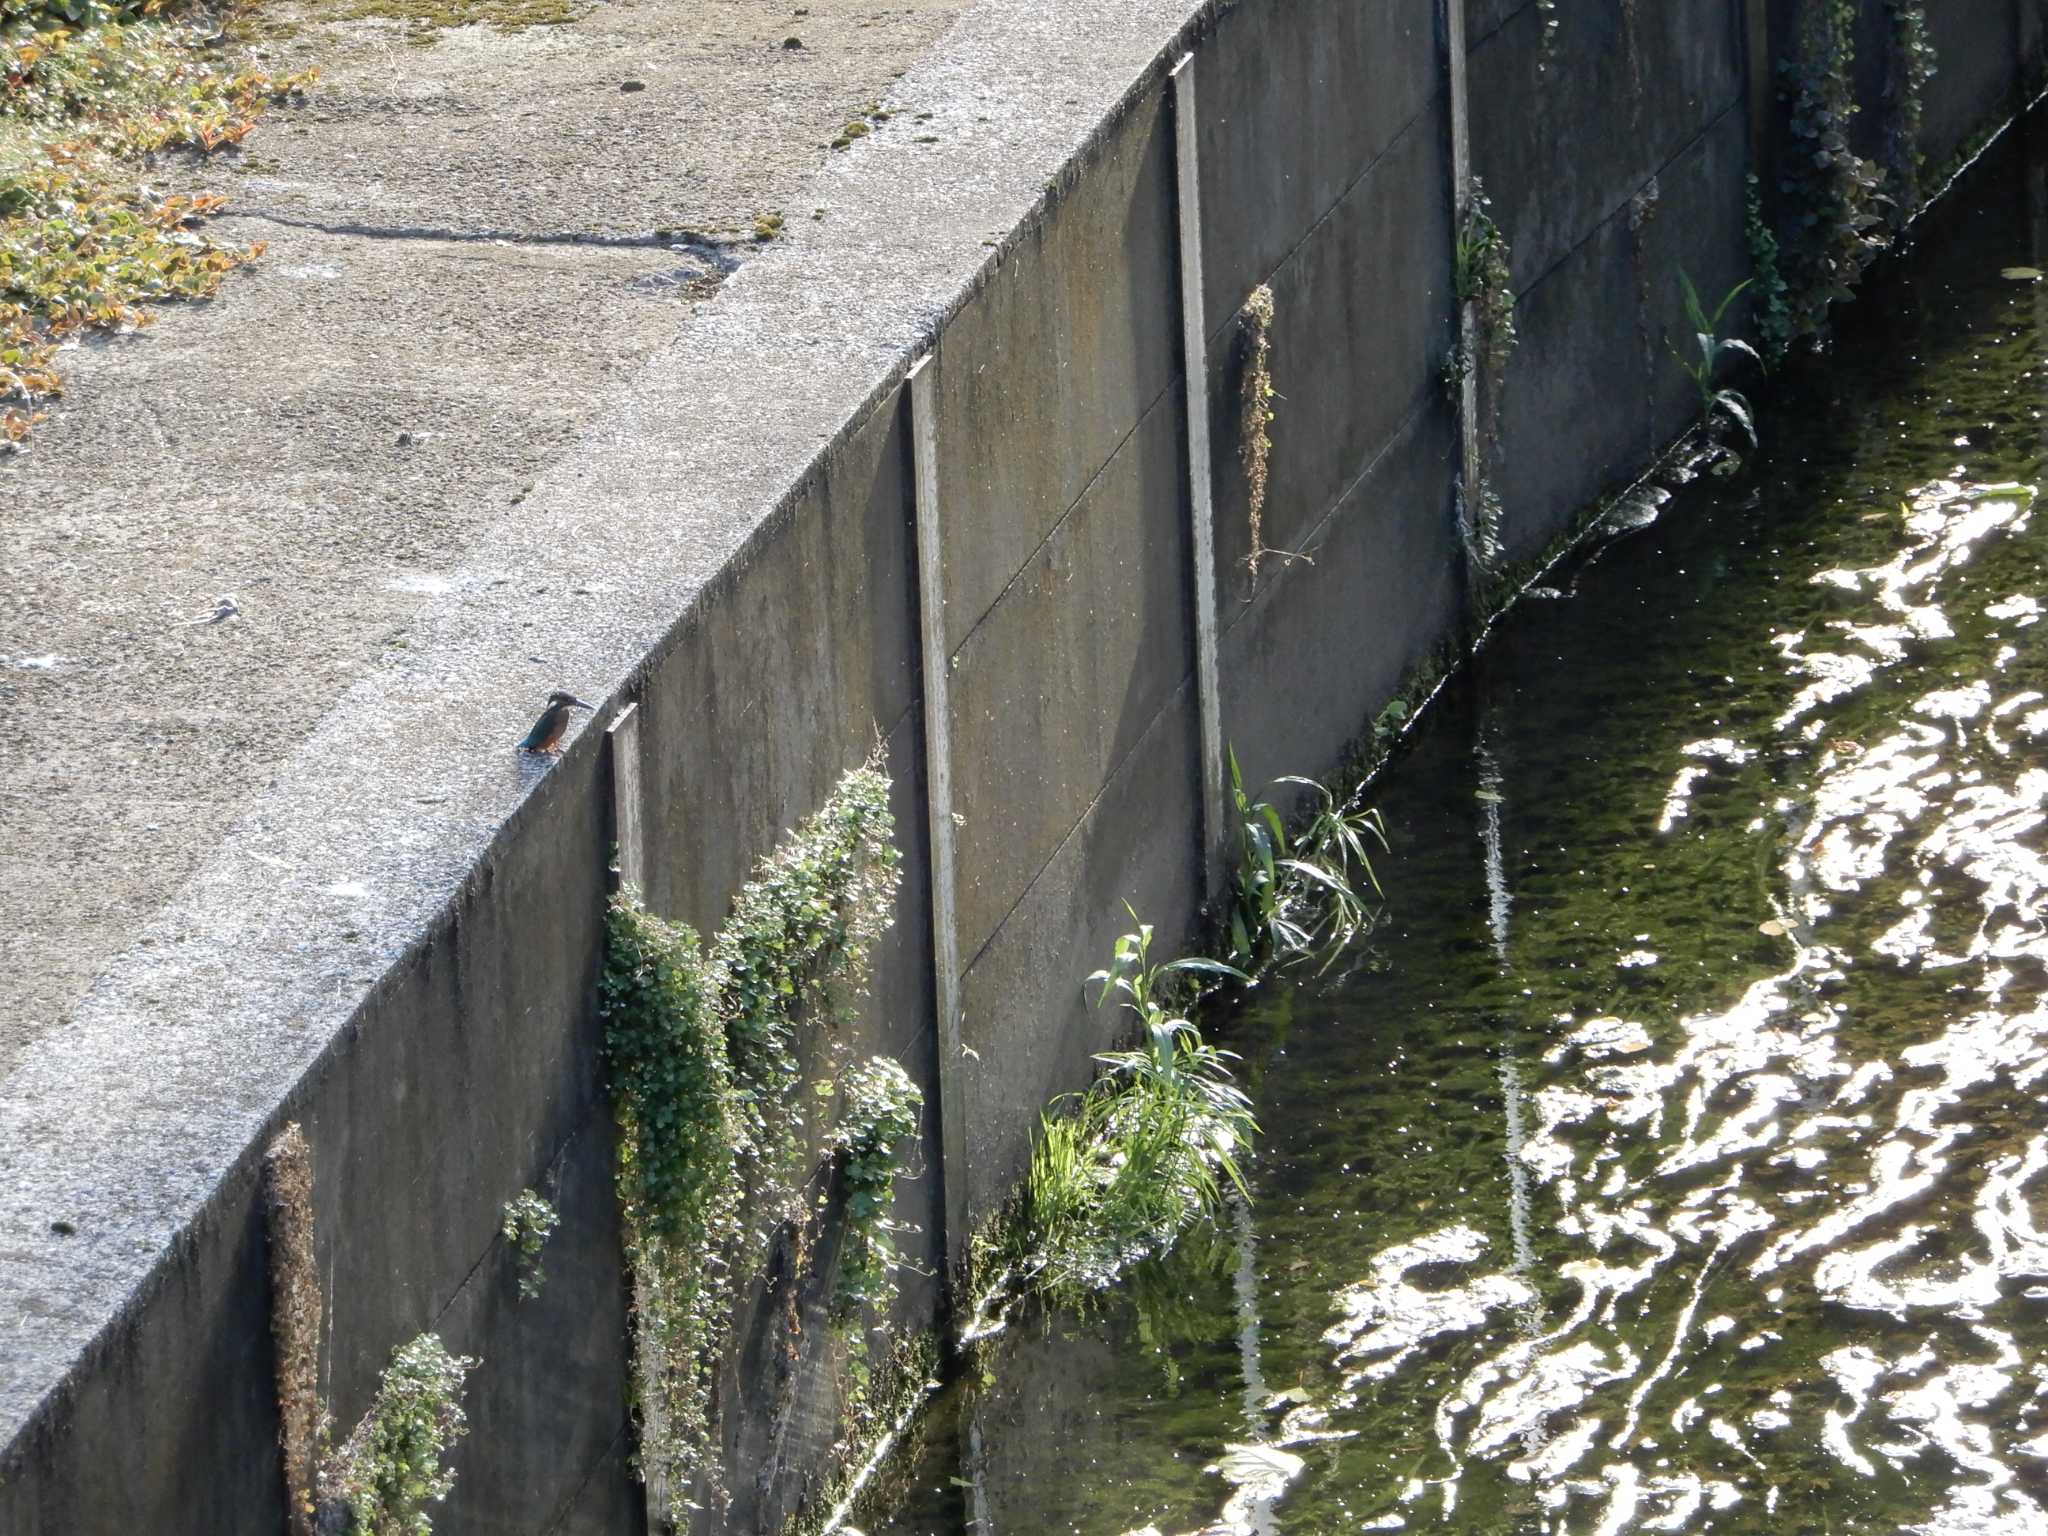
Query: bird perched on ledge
[547,732]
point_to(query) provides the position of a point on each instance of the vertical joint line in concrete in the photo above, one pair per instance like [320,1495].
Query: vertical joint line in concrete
[628,818]
[938,778]
[1201,485]
[1756,57]
[629,829]
[1470,470]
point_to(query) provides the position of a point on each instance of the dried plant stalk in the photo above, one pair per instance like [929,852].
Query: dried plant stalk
[294,1317]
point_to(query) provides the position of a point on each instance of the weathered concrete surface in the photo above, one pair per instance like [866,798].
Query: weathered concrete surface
[1592,157]
[327,438]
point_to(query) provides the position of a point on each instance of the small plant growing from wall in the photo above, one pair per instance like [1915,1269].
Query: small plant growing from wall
[391,1466]
[1255,433]
[879,1107]
[294,1319]
[1295,897]
[1483,278]
[1712,349]
[529,1222]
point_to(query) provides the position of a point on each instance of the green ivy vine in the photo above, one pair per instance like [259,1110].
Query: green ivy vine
[1834,194]
[1773,311]
[390,1468]
[796,949]
[529,1221]
[1910,67]
[879,1108]
[701,1046]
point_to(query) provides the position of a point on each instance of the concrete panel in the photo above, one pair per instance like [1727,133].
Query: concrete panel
[1980,49]
[1026,1014]
[810,637]
[1483,18]
[478,1076]
[2031,41]
[1572,421]
[1073,338]
[1629,86]
[1321,647]
[453,1089]
[1066,675]
[170,1428]
[479,1061]
[551,1373]
[1362,323]
[1297,100]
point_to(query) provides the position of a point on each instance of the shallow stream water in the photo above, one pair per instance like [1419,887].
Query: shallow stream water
[1674,1156]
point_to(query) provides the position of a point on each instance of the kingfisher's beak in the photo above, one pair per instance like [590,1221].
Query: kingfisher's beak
[576,703]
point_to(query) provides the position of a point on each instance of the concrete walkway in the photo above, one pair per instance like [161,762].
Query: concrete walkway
[473,243]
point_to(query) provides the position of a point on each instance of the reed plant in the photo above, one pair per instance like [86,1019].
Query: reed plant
[1122,1169]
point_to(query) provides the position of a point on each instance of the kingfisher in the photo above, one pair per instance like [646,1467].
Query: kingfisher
[546,735]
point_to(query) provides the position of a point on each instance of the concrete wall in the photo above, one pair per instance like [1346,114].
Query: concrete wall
[765,617]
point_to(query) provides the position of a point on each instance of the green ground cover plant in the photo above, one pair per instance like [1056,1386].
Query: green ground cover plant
[98,103]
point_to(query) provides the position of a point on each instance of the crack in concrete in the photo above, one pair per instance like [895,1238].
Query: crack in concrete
[720,253]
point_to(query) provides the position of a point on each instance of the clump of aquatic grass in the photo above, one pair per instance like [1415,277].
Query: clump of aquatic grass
[1301,896]
[1713,348]
[1122,1169]
[83,244]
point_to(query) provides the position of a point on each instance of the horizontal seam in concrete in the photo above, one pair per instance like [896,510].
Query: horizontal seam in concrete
[1621,208]
[1343,196]
[1109,778]
[1310,543]
[718,251]
[497,1239]
[1060,522]
[1473,45]
[568,1505]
